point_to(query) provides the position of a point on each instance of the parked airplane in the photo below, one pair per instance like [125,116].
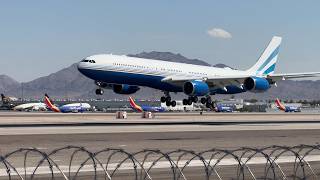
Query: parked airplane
[7,98]
[138,108]
[7,102]
[221,108]
[125,74]
[284,108]
[68,108]
[31,107]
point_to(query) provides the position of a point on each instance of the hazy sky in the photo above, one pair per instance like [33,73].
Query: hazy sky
[40,37]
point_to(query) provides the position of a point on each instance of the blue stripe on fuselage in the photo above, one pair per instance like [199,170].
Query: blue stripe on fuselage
[130,79]
[155,82]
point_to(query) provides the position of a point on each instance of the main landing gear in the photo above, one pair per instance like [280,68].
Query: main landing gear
[190,100]
[205,101]
[208,102]
[167,99]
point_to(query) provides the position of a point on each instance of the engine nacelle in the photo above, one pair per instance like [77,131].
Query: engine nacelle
[125,89]
[256,84]
[196,88]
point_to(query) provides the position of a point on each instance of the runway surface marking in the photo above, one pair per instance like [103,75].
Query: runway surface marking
[159,165]
[144,129]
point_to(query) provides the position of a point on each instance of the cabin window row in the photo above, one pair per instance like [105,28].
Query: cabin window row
[162,69]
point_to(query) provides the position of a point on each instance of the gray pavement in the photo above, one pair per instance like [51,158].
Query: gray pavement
[192,132]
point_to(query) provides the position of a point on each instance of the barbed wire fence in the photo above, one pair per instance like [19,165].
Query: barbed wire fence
[73,162]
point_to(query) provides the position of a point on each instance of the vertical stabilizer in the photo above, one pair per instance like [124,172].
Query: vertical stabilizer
[50,105]
[280,106]
[267,62]
[134,105]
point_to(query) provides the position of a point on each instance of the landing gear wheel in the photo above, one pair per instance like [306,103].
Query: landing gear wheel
[163,99]
[173,103]
[99,92]
[195,99]
[190,102]
[168,99]
[203,100]
[168,103]
[185,102]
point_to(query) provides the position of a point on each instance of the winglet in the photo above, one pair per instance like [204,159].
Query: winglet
[50,105]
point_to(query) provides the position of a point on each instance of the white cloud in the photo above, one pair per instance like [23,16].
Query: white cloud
[219,33]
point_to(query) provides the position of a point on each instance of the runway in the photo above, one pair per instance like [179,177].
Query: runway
[166,132]
[174,131]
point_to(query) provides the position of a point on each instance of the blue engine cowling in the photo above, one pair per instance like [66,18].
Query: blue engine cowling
[196,88]
[125,89]
[256,84]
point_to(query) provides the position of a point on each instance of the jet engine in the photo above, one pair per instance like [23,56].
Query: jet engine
[256,84]
[195,88]
[125,89]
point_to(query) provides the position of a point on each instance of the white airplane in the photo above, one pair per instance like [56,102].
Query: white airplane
[31,107]
[125,74]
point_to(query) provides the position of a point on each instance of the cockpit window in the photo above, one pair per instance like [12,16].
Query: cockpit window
[87,60]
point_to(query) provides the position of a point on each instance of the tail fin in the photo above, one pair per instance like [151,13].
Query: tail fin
[267,62]
[3,97]
[134,105]
[280,105]
[50,105]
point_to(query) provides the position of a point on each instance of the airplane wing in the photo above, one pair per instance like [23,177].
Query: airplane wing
[277,77]
[218,81]
[236,80]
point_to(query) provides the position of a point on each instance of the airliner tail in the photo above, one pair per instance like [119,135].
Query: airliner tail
[134,105]
[50,105]
[267,62]
[3,97]
[280,105]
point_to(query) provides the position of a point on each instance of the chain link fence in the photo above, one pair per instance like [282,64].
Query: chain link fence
[72,162]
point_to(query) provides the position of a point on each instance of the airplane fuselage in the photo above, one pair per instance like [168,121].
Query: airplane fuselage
[75,107]
[125,74]
[113,69]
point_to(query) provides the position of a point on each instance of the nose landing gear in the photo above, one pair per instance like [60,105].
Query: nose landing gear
[99,91]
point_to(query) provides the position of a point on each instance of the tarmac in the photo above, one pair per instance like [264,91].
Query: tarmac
[167,131]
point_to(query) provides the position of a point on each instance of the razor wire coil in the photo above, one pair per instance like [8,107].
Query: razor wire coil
[273,162]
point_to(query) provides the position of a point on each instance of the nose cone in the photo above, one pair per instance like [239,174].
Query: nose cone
[84,67]
[81,66]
